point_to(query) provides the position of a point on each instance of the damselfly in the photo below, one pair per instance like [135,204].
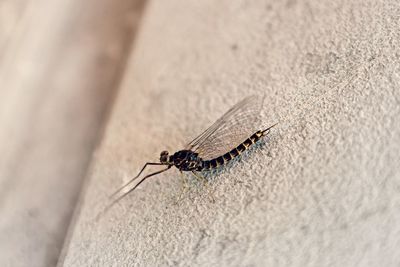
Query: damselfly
[223,141]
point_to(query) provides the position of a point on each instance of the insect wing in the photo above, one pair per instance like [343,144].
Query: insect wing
[237,124]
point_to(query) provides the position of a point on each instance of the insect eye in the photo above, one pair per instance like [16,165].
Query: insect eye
[164,156]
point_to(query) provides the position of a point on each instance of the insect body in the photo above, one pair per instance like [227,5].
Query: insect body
[184,160]
[220,143]
[221,160]
[187,160]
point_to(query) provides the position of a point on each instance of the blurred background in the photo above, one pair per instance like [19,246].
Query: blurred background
[60,65]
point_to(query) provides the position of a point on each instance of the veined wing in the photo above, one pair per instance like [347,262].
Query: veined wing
[237,124]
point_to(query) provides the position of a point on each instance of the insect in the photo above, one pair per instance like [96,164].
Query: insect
[226,139]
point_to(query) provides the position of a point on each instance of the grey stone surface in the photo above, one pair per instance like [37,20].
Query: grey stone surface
[323,191]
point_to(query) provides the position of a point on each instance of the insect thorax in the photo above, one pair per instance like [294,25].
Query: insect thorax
[186,160]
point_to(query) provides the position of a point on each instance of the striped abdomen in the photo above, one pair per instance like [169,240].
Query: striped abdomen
[221,160]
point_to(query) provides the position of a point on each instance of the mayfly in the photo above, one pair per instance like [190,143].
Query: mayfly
[226,139]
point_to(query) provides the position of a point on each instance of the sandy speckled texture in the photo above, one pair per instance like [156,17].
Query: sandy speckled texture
[323,191]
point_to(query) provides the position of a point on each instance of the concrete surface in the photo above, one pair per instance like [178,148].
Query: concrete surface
[60,64]
[323,191]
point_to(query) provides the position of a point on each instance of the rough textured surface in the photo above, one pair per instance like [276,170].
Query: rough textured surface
[60,62]
[324,191]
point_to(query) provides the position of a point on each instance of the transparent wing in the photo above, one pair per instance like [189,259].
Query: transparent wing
[237,124]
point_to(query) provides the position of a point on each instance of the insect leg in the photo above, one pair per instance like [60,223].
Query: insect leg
[130,190]
[134,178]
[184,188]
[205,183]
